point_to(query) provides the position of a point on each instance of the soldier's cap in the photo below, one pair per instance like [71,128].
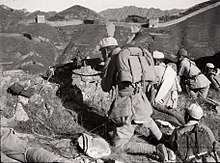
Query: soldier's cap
[182,52]
[210,65]
[108,41]
[158,55]
[195,111]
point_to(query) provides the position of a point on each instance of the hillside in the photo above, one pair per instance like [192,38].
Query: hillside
[35,30]
[33,56]
[188,11]
[198,7]
[124,12]
[135,19]
[85,38]
[198,34]
[76,12]
[9,17]
[31,48]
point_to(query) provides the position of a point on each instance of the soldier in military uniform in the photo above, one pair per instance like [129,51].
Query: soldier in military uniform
[197,82]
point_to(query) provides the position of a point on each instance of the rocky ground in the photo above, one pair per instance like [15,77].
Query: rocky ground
[54,113]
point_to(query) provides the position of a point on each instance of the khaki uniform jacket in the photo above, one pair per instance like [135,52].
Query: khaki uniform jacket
[191,71]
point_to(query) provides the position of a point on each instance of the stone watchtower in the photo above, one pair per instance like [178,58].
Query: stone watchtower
[153,22]
[40,19]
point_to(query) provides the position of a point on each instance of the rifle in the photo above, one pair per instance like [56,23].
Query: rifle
[77,62]
[95,63]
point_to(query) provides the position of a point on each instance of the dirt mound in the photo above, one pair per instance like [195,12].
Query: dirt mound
[31,55]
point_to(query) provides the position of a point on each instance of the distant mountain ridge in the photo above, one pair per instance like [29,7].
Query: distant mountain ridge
[124,12]
[77,12]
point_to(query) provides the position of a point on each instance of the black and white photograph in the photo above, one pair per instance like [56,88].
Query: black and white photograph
[110,81]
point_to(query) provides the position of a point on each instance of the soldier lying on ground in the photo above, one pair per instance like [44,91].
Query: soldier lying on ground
[14,149]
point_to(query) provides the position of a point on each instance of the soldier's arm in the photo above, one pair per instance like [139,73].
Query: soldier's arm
[181,69]
[215,143]
[208,131]
[124,68]
[109,73]
[211,78]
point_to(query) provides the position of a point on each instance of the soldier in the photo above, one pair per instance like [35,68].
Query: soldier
[197,82]
[213,75]
[14,149]
[166,96]
[130,107]
[194,140]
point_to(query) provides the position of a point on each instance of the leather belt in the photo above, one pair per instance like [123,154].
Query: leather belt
[192,77]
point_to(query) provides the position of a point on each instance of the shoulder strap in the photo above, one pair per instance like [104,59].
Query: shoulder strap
[142,50]
[189,68]
[162,77]
[196,128]
[191,143]
[164,72]
[143,74]
[196,138]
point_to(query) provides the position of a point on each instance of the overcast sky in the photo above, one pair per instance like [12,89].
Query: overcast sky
[97,5]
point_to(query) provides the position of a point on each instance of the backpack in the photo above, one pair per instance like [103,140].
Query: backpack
[193,145]
[136,64]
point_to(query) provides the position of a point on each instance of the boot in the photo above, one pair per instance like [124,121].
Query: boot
[162,152]
[216,146]
[171,155]
[40,155]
